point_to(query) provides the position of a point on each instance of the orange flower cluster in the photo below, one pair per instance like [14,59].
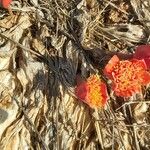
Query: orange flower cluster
[128,76]
[92,91]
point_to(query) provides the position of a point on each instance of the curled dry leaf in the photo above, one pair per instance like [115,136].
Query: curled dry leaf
[8,108]
[126,32]
[22,79]
[52,117]
[140,112]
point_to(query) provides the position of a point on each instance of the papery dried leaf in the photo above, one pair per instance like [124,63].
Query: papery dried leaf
[129,33]
[142,10]
[140,112]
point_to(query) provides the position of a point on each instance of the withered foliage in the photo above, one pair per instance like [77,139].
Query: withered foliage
[43,46]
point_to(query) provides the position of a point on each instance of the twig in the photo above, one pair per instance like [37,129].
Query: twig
[113,138]
[98,130]
[133,102]
[135,138]
[109,2]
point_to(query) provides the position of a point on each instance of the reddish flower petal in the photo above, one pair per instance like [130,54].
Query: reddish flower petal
[81,91]
[139,64]
[147,61]
[5,3]
[110,66]
[143,52]
[127,91]
[93,92]
[145,78]
[103,89]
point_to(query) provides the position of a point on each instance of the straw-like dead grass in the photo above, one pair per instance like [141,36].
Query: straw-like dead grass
[42,48]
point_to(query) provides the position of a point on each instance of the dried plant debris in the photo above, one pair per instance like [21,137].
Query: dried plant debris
[44,46]
[141,10]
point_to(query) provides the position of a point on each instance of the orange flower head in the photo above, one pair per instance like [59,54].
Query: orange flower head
[143,52]
[128,76]
[92,91]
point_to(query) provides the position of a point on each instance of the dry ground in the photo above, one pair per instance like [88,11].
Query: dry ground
[42,48]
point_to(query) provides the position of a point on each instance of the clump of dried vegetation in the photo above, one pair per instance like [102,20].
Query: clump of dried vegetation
[43,46]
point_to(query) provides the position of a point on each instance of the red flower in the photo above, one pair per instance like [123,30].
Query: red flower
[92,91]
[128,76]
[5,3]
[143,52]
